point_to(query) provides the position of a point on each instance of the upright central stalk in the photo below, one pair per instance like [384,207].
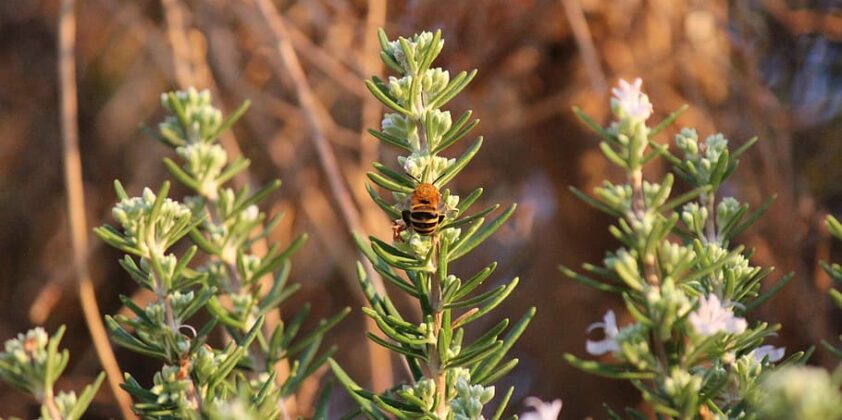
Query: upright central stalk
[435,366]
[236,285]
[49,401]
[650,268]
[215,218]
[162,293]
[436,370]
[708,201]
[638,199]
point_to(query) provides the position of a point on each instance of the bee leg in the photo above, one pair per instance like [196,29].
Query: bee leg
[398,226]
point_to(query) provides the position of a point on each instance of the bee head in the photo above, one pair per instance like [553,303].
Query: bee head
[425,194]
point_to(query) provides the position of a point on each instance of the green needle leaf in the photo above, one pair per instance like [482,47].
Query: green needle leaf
[460,164]
[666,122]
[486,231]
[607,370]
[384,98]
[390,139]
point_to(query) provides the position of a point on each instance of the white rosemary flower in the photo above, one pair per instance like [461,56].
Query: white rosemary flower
[770,353]
[543,410]
[712,317]
[26,347]
[629,101]
[609,343]
[416,164]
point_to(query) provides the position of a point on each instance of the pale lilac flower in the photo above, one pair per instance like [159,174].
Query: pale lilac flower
[629,101]
[713,317]
[609,343]
[543,410]
[771,353]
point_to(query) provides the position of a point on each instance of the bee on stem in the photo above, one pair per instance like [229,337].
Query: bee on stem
[425,214]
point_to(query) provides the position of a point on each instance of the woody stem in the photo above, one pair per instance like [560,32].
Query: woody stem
[650,268]
[435,366]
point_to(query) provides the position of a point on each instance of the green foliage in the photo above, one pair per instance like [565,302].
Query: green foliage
[800,393]
[689,350]
[32,363]
[236,286]
[834,270]
[451,378]
[803,393]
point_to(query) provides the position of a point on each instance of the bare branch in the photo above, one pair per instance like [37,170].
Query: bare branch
[76,202]
[314,112]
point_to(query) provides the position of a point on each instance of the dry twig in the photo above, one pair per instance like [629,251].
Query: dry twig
[379,360]
[331,66]
[76,202]
[174,15]
[576,17]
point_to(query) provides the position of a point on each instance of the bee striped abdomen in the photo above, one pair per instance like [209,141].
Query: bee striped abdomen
[424,214]
[424,219]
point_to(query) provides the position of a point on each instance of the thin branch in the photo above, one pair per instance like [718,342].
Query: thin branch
[579,25]
[375,18]
[129,16]
[315,115]
[76,199]
[380,361]
[49,401]
[174,15]
[331,66]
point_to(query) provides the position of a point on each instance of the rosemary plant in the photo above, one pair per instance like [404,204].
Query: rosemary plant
[449,377]
[32,363]
[801,392]
[237,287]
[687,285]
[834,270]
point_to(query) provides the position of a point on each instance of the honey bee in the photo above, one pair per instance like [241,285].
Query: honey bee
[426,212]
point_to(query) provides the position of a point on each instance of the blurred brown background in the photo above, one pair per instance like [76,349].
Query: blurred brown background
[769,68]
